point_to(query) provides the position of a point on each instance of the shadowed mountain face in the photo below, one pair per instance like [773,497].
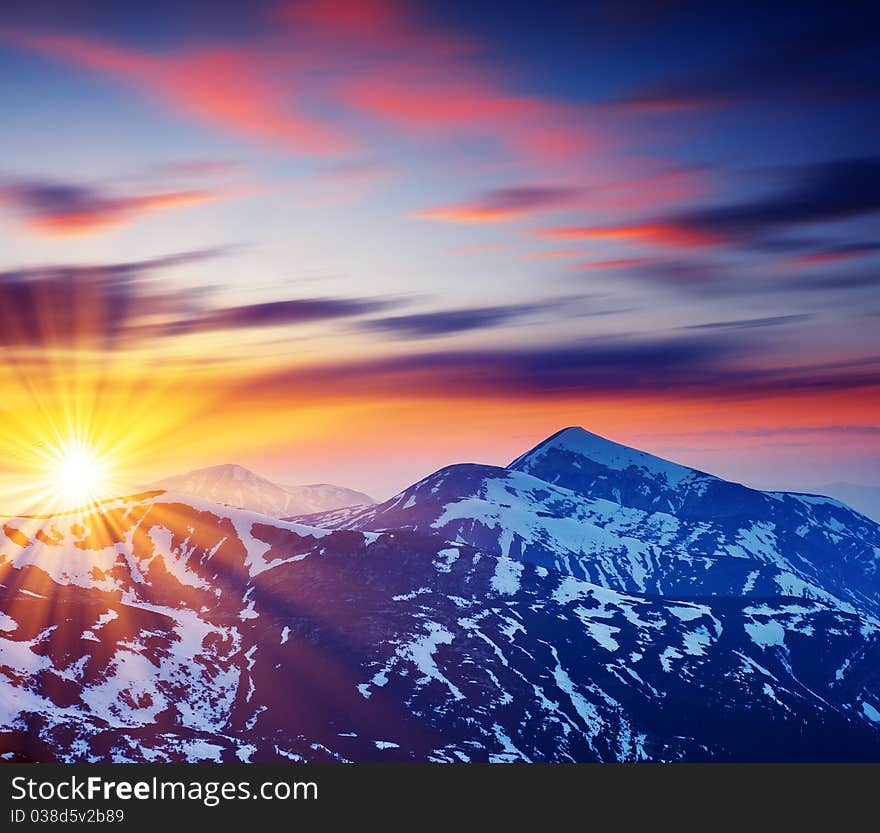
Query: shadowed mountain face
[239,487]
[483,614]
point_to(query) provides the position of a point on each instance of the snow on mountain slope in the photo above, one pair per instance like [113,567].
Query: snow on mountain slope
[628,538]
[157,630]
[237,486]
[569,454]
[597,467]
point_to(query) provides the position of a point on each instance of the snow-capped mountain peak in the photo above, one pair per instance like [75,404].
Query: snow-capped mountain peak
[627,520]
[575,447]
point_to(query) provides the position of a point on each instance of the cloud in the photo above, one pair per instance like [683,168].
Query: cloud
[751,323]
[718,365]
[323,62]
[585,368]
[842,281]
[829,59]
[500,205]
[618,263]
[440,323]
[88,306]
[840,253]
[64,209]
[425,80]
[716,279]
[823,192]
[667,233]
[233,88]
[276,314]
[449,322]
[200,168]
[122,304]
[554,254]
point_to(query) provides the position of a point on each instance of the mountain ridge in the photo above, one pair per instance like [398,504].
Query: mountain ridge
[483,614]
[620,528]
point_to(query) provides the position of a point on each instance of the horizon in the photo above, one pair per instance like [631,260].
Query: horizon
[284,481]
[352,243]
[135,490]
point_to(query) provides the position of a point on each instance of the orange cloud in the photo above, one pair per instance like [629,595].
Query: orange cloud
[554,254]
[64,210]
[664,234]
[504,204]
[123,212]
[620,263]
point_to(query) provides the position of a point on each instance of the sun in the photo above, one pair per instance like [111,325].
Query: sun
[78,475]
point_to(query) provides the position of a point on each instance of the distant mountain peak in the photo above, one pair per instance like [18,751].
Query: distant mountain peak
[233,470]
[234,485]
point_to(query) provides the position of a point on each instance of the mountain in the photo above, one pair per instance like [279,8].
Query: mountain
[237,486]
[629,521]
[484,614]
[322,497]
[866,499]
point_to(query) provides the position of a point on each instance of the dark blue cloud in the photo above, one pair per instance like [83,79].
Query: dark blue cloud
[827,191]
[824,53]
[282,313]
[751,323]
[717,365]
[113,304]
[67,208]
[88,306]
[448,322]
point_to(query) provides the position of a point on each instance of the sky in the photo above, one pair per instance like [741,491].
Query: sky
[353,242]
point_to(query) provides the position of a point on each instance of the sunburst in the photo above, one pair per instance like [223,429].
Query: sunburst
[78,475]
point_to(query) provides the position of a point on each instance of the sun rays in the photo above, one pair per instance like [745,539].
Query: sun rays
[78,475]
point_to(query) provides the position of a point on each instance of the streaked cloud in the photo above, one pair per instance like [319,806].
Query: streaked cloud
[89,306]
[230,87]
[675,234]
[827,58]
[120,304]
[752,323]
[719,366]
[57,209]
[821,192]
[282,313]
[596,366]
[501,205]
[449,322]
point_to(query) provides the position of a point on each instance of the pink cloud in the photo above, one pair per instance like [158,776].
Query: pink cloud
[505,204]
[66,210]
[663,234]
[228,87]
